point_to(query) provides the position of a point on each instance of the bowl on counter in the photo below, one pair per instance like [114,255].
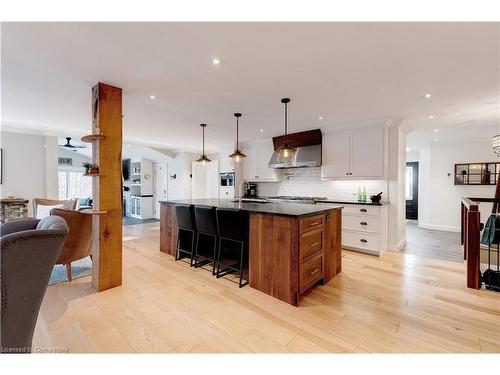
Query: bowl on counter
[375,198]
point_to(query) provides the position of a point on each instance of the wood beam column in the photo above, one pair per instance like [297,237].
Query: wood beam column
[107,187]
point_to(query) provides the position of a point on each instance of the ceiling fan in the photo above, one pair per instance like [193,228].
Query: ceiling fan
[70,146]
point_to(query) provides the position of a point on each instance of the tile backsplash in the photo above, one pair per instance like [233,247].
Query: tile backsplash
[307,182]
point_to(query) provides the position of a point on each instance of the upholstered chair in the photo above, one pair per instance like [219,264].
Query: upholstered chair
[29,250]
[48,204]
[78,245]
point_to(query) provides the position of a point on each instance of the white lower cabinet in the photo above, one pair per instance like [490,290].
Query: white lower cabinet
[141,207]
[364,228]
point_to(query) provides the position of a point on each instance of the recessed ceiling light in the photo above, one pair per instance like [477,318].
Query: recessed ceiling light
[320,117]
[152,97]
[427,96]
[215,61]
[436,130]
[431,116]
[261,130]
[407,149]
[435,139]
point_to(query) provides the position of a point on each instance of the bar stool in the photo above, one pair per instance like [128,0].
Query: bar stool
[232,225]
[186,234]
[206,225]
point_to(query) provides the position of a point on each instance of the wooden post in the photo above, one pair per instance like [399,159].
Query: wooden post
[472,249]
[107,187]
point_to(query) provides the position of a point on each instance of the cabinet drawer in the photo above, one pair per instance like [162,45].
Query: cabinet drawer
[361,209]
[311,271]
[363,223]
[310,242]
[363,241]
[311,223]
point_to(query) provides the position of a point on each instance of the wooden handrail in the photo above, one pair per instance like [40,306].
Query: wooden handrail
[470,237]
[470,204]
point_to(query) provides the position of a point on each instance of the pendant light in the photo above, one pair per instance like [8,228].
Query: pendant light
[285,151]
[495,144]
[203,159]
[237,155]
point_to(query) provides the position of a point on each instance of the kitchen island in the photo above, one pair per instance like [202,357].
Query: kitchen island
[292,247]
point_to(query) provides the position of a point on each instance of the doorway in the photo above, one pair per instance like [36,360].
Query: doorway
[412,190]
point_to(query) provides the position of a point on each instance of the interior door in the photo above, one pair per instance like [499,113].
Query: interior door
[198,181]
[412,190]
[160,186]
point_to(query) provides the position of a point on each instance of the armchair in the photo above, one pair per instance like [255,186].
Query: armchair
[29,250]
[78,245]
[69,204]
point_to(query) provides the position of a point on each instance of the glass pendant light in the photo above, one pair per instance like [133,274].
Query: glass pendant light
[203,159]
[237,155]
[286,152]
[495,144]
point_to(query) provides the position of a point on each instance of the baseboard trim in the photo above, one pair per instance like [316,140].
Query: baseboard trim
[399,245]
[445,228]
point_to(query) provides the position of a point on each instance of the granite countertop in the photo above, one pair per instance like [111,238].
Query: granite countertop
[283,209]
[370,203]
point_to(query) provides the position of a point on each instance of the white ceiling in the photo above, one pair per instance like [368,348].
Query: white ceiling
[348,73]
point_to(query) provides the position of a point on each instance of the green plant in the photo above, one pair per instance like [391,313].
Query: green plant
[87,166]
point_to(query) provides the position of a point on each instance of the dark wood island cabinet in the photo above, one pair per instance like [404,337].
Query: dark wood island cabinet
[292,247]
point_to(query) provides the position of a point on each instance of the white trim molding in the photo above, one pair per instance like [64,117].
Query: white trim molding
[446,228]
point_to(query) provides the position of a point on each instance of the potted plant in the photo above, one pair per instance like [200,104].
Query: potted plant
[94,169]
[87,166]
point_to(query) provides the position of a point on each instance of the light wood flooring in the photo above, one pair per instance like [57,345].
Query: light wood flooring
[397,303]
[435,244]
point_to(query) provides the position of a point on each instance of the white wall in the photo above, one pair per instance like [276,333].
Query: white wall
[439,197]
[307,182]
[29,166]
[396,165]
[78,160]
[180,187]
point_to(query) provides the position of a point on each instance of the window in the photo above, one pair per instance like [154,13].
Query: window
[409,183]
[74,185]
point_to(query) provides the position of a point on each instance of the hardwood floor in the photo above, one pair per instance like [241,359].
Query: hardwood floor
[397,303]
[435,244]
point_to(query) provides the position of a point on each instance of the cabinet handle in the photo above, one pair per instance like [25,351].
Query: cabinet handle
[363,223]
[363,240]
[256,177]
[314,244]
[314,223]
[362,209]
[315,271]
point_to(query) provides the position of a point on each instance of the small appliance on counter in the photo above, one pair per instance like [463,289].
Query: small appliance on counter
[250,190]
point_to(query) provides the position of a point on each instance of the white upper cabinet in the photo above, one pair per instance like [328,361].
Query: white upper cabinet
[255,166]
[356,153]
[226,164]
[335,159]
[367,152]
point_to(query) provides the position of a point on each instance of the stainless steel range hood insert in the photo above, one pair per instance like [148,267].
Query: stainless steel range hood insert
[308,150]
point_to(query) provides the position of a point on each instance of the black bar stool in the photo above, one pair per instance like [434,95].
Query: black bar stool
[186,236]
[232,225]
[206,225]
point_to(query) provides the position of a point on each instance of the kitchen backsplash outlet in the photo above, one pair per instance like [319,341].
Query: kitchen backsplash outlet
[306,182]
